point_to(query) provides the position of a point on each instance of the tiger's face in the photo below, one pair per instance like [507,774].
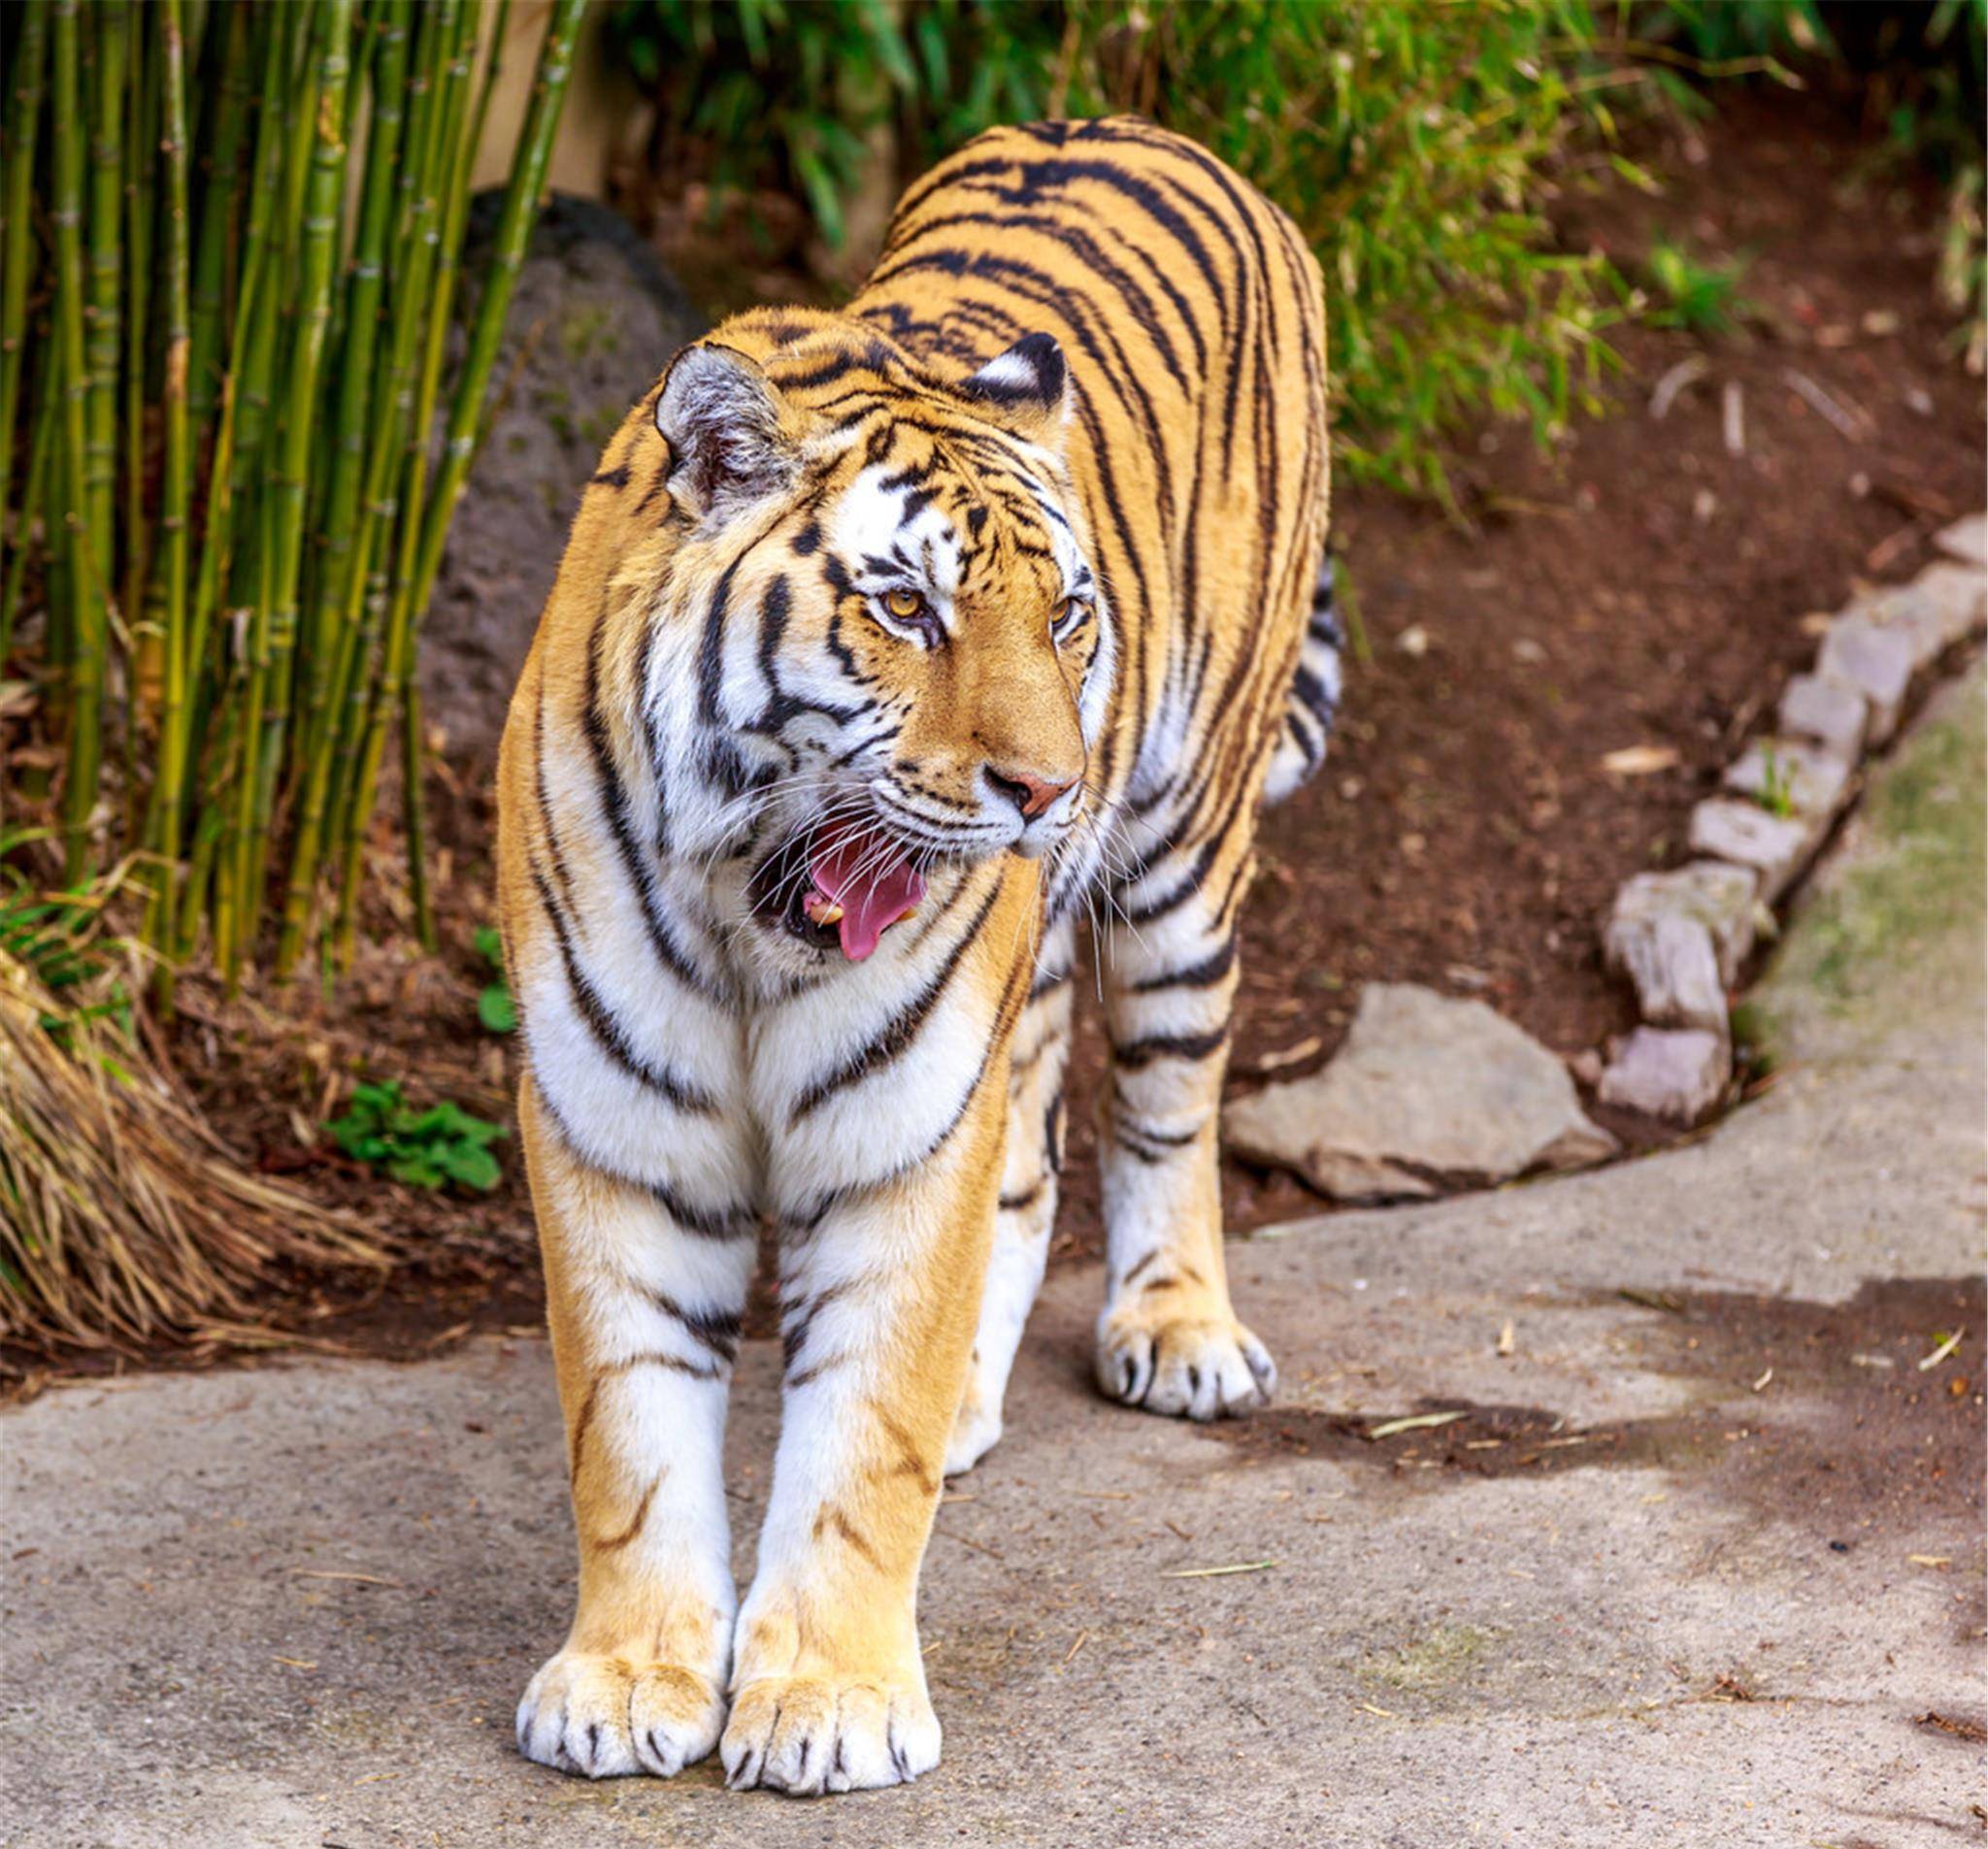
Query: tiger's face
[903,654]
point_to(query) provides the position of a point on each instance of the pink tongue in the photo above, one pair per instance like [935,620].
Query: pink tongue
[872,882]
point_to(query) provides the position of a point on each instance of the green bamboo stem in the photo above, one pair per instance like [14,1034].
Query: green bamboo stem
[83,590]
[324,201]
[513,230]
[17,244]
[447,184]
[359,456]
[111,47]
[218,221]
[176,490]
[34,502]
[142,138]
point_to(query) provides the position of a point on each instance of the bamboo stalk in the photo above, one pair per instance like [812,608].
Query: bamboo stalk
[220,188]
[16,247]
[142,138]
[83,589]
[324,201]
[176,487]
[111,46]
[341,565]
[33,502]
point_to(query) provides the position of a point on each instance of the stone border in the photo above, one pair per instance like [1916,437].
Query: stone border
[1681,937]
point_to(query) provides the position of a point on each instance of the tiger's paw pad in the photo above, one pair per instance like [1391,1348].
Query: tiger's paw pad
[604,1717]
[805,1734]
[1191,1367]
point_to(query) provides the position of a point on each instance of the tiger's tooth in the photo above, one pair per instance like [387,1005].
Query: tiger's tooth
[821,912]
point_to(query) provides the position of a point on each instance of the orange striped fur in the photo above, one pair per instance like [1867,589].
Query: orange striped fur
[1002,585]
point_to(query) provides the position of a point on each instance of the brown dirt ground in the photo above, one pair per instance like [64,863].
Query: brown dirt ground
[1638,586]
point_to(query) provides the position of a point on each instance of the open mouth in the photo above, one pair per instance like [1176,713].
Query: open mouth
[842,887]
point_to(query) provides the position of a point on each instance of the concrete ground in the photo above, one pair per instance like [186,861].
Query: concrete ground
[1700,1565]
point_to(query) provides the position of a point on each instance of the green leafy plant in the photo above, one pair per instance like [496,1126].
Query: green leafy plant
[1699,296]
[495,1006]
[438,1147]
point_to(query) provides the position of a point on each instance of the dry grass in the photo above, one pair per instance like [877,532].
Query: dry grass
[125,1222]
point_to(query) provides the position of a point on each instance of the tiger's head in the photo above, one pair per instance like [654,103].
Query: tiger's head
[881,592]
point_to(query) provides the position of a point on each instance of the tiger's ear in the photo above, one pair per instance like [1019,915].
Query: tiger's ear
[1025,389]
[721,416]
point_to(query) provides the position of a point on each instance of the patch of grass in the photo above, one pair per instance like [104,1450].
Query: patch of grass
[442,1146]
[1691,293]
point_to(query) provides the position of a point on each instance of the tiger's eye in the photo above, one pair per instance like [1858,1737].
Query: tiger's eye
[1072,613]
[904,604]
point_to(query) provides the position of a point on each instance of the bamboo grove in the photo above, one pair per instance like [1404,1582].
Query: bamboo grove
[240,390]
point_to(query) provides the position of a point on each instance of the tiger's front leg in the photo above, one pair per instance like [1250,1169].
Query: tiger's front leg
[1168,1338]
[644,1308]
[879,1298]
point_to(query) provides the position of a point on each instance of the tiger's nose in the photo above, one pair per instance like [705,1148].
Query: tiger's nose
[1032,795]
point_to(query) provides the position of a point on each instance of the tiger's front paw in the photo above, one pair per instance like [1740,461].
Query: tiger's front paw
[1195,1368]
[604,1717]
[806,1734]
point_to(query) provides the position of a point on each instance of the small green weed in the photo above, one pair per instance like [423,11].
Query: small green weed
[1776,789]
[1699,297]
[431,1148]
[495,1008]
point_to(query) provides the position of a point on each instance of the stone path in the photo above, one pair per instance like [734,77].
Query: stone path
[1646,1592]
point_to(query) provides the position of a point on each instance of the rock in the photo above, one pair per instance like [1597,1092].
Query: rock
[1427,1092]
[1965,540]
[1784,774]
[594,320]
[1873,658]
[1668,1074]
[1939,607]
[1676,971]
[1708,892]
[1833,715]
[1775,847]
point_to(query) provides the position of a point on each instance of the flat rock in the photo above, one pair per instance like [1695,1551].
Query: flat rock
[1712,893]
[1678,1074]
[1966,538]
[1428,1092]
[1775,848]
[1834,715]
[1810,782]
[1945,603]
[1874,659]
[1676,971]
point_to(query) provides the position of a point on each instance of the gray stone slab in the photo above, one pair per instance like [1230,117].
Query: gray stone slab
[1674,968]
[1872,658]
[1678,1074]
[1776,847]
[1721,897]
[1427,1092]
[1938,609]
[1825,711]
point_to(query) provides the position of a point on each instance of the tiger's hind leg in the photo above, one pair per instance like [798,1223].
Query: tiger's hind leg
[1168,1338]
[1027,1212]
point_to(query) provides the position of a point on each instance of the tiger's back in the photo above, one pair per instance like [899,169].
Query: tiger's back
[887,644]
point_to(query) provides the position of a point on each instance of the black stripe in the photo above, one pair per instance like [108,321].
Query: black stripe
[1135,1055]
[902,1029]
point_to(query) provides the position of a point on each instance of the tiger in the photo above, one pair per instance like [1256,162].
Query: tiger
[891,643]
